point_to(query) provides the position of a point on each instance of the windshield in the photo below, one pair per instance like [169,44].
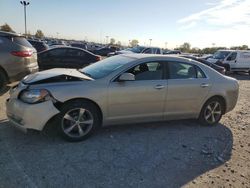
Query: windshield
[221,54]
[105,67]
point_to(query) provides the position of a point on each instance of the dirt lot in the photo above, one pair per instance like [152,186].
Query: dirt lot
[170,154]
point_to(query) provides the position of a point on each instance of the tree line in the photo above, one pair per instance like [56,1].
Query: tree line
[185,47]
[5,27]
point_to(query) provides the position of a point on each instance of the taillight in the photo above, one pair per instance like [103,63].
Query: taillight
[98,58]
[22,53]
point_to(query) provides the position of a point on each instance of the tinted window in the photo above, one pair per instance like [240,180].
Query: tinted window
[232,56]
[158,51]
[147,51]
[75,53]
[147,71]
[221,54]
[181,70]
[21,41]
[57,52]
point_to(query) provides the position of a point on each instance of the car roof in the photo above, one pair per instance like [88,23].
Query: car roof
[9,34]
[169,57]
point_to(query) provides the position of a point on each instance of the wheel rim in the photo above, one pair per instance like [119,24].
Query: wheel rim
[212,112]
[77,122]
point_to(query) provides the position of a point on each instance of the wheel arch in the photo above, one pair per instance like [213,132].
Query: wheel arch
[221,98]
[59,105]
[50,124]
[5,73]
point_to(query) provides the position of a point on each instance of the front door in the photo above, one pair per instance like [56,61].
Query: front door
[139,100]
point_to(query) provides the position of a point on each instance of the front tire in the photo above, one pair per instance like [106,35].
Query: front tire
[78,120]
[211,112]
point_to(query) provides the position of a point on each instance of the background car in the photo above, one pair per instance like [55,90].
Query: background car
[66,57]
[17,58]
[79,45]
[39,45]
[218,68]
[119,90]
[105,51]
[138,49]
[167,52]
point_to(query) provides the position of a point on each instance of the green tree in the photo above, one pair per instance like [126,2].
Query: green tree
[112,41]
[119,43]
[185,47]
[6,28]
[29,35]
[134,42]
[39,34]
[243,47]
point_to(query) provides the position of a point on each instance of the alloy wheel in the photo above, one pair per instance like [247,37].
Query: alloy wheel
[213,112]
[77,122]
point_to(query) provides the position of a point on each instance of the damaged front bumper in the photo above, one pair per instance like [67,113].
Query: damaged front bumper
[29,116]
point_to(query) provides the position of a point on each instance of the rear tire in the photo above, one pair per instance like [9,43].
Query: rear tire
[78,120]
[211,112]
[3,82]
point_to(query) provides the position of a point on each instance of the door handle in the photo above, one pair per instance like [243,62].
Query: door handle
[203,85]
[159,87]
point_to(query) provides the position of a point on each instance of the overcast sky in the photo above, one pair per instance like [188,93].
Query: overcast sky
[171,23]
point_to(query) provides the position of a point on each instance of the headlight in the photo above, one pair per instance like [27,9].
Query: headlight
[34,96]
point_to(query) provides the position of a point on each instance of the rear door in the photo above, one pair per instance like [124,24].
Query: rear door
[187,88]
[52,59]
[76,58]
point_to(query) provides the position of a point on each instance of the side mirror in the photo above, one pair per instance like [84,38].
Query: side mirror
[127,77]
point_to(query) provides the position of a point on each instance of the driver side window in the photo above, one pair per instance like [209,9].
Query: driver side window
[147,71]
[232,56]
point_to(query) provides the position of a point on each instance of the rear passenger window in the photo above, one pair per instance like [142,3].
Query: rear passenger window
[181,70]
[75,53]
[57,52]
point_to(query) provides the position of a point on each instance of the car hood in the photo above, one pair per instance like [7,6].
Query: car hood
[55,75]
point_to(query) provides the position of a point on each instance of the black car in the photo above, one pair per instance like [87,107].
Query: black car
[79,45]
[66,57]
[172,52]
[105,51]
[39,45]
[218,68]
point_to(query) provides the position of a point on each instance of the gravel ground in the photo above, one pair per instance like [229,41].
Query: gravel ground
[169,154]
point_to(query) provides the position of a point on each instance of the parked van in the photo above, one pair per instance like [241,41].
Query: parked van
[232,60]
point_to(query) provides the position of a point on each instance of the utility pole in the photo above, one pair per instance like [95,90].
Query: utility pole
[166,44]
[24,3]
[150,41]
[107,39]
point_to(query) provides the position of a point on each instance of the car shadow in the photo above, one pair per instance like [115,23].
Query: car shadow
[167,154]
